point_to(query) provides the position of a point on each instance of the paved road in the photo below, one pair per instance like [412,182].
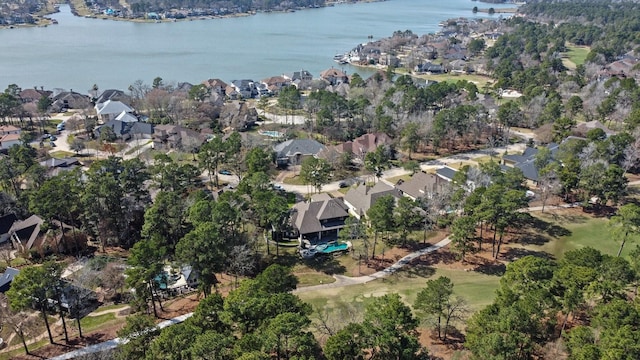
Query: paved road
[112,344]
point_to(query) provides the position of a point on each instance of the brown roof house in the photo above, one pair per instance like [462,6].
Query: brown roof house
[334,76]
[176,137]
[361,198]
[65,100]
[420,185]
[319,220]
[360,146]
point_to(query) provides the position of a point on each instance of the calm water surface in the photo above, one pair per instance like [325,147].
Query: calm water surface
[80,52]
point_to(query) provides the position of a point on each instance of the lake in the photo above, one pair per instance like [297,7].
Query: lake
[80,52]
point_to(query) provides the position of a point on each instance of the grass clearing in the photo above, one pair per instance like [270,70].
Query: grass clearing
[478,289]
[59,154]
[572,229]
[90,323]
[313,278]
[578,54]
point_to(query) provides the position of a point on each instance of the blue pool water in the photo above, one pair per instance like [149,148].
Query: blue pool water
[329,248]
[274,134]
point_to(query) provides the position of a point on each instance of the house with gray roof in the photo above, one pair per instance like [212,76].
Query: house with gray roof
[293,152]
[446,173]
[526,162]
[319,220]
[110,109]
[55,166]
[360,199]
[113,94]
[127,130]
[6,278]
[420,185]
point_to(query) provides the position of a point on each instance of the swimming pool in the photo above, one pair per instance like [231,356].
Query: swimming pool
[271,133]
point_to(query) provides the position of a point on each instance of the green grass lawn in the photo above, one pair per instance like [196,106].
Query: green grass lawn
[110,307]
[90,323]
[295,180]
[578,54]
[59,154]
[478,289]
[575,231]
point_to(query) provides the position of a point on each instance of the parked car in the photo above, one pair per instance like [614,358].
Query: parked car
[52,144]
[52,138]
[224,172]
[343,184]
[60,126]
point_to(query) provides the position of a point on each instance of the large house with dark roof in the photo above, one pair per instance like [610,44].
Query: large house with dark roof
[319,220]
[526,162]
[293,152]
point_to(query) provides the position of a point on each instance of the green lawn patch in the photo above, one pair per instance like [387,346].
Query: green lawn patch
[478,289]
[314,278]
[295,180]
[93,322]
[570,230]
[578,54]
[59,154]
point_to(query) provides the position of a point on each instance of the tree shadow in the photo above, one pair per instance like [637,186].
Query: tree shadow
[491,268]
[418,271]
[327,264]
[513,254]
[551,229]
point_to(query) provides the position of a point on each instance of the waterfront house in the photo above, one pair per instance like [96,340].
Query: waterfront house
[216,86]
[293,152]
[113,94]
[319,220]
[33,95]
[65,100]
[244,88]
[275,83]
[111,109]
[360,199]
[302,75]
[334,76]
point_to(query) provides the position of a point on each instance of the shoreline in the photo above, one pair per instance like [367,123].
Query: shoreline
[79,9]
